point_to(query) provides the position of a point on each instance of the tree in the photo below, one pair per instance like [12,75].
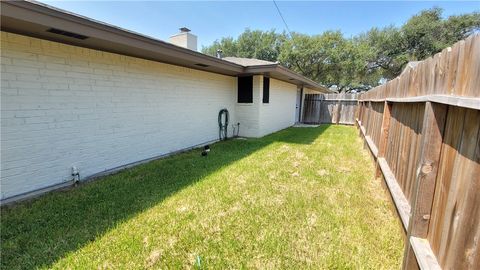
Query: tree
[421,36]
[227,44]
[250,44]
[461,26]
[260,45]
[356,63]
[331,59]
[385,54]
[328,58]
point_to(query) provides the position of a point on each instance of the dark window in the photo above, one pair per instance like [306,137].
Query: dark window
[266,89]
[245,89]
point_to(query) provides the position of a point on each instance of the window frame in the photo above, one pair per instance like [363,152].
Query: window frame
[266,90]
[245,90]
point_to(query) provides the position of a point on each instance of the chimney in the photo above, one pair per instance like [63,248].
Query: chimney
[185,39]
[219,54]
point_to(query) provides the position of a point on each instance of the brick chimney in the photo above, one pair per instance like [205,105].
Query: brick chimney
[185,39]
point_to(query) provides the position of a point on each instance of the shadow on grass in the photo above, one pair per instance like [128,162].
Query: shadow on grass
[302,135]
[38,233]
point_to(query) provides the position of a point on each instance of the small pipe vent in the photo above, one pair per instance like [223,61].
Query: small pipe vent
[219,54]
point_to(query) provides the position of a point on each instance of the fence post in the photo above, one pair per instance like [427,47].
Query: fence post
[421,206]
[382,147]
[358,110]
[339,110]
[319,118]
[306,108]
[361,106]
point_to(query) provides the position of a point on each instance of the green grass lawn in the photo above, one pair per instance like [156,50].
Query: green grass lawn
[299,198]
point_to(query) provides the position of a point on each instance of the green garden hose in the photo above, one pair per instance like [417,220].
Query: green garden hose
[222,126]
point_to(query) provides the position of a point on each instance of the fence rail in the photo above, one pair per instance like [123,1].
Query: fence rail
[330,108]
[423,129]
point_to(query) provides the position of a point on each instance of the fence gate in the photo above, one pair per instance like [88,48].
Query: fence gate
[330,108]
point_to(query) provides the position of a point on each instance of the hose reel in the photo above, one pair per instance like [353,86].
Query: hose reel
[223,124]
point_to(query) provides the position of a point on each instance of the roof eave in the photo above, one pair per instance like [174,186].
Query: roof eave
[44,16]
[33,19]
[294,77]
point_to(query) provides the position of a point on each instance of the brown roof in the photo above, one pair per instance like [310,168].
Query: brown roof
[248,61]
[36,19]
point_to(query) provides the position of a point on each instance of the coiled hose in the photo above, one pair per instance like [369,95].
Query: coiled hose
[222,126]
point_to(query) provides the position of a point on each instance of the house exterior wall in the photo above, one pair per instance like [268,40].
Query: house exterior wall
[258,119]
[248,114]
[64,106]
[279,113]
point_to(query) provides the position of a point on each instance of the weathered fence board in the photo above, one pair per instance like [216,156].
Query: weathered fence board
[427,146]
[330,108]
[455,222]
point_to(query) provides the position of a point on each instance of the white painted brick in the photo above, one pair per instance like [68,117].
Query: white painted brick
[80,87]
[102,71]
[100,110]
[5,60]
[32,92]
[38,120]
[49,72]
[29,78]
[63,93]
[21,70]
[81,69]
[55,66]
[5,83]
[19,39]
[24,85]
[51,59]
[27,63]
[7,114]
[279,113]
[65,113]
[12,122]
[29,113]
[18,54]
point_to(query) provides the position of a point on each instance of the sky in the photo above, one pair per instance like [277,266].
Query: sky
[211,20]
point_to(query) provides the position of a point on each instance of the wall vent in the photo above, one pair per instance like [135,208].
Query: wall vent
[66,33]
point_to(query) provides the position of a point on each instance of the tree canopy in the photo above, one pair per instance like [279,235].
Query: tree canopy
[359,62]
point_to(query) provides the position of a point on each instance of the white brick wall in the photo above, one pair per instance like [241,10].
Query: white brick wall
[258,119]
[279,113]
[63,105]
[248,114]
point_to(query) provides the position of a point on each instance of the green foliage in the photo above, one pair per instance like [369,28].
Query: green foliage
[421,36]
[250,44]
[358,62]
[227,44]
[328,58]
[383,52]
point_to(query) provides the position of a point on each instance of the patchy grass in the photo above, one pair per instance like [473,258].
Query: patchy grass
[299,198]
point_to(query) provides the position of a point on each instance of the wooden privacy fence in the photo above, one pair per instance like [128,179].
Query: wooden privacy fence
[423,130]
[330,108]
